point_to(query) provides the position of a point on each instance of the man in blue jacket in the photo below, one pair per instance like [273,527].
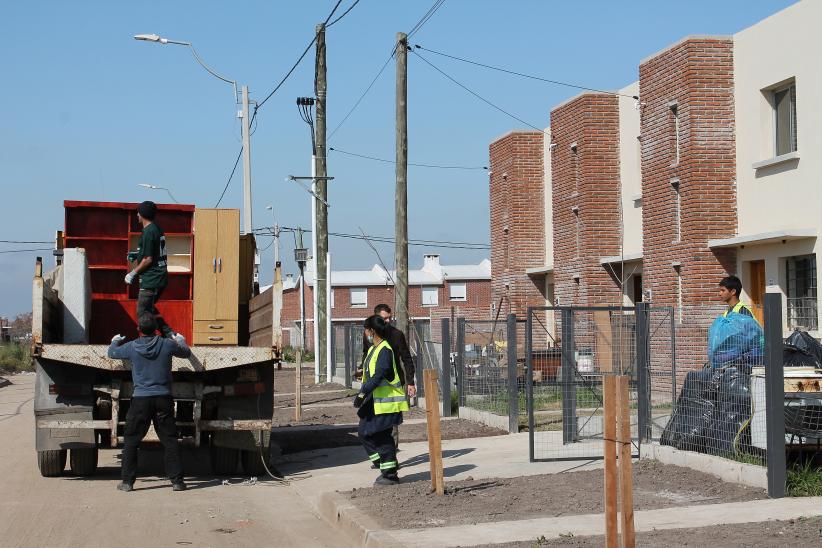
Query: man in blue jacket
[150,358]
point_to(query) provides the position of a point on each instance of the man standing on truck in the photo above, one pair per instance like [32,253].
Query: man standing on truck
[152,266]
[399,344]
[152,400]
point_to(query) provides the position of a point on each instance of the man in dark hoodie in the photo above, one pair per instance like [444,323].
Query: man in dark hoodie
[150,358]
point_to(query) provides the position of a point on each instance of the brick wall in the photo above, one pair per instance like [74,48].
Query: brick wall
[476,306]
[586,199]
[517,220]
[697,75]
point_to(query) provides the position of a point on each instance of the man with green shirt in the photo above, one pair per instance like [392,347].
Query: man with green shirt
[151,266]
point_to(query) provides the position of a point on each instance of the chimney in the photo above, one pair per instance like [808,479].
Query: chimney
[431,262]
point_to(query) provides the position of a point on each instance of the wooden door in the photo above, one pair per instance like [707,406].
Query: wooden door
[757,289]
[205,266]
[228,264]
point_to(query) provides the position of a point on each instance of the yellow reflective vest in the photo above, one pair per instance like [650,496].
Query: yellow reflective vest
[738,308]
[389,396]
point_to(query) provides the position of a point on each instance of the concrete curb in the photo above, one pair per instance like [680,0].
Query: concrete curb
[484,417]
[724,469]
[358,527]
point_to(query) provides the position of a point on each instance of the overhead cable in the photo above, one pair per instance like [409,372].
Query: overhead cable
[236,162]
[522,74]
[434,166]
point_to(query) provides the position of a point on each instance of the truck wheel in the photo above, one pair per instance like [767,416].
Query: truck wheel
[83,462]
[51,463]
[252,463]
[224,460]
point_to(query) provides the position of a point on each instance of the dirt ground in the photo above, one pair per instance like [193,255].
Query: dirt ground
[798,532]
[656,485]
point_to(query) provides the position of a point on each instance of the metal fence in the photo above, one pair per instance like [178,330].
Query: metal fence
[569,352]
[431,346]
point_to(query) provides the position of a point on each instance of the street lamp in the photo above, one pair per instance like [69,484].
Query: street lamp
[155,187]
[243,99]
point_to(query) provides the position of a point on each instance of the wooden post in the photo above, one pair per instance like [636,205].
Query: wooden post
[401,188]
[432,413]
[610,448]
[298,396]
[626,488]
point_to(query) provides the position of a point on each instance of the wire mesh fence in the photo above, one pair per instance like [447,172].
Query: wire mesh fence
[569,353]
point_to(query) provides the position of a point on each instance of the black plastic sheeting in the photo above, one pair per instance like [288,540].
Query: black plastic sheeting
[802,350]
[712,414]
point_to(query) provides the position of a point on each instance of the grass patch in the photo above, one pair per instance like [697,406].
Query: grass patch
[805,480]
[15,357]
[290,355]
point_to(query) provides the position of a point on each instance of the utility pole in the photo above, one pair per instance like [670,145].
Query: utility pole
[401,193]
[321,234]
[247,227]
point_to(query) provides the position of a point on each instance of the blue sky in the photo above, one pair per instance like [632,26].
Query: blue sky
[88,113]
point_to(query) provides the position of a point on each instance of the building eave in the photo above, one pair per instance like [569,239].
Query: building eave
[764,238]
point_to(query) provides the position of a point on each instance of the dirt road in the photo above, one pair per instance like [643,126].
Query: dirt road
[71,511]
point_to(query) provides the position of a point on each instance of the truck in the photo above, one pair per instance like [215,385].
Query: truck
[223,394]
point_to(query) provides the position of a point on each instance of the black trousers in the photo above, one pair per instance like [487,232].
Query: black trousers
[381,450]
[147,302]
[144,411]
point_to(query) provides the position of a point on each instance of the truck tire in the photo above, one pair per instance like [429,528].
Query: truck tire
[83,462]
[224,460]
[51,463]
[252,463]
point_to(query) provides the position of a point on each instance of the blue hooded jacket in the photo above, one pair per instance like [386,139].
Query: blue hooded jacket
[150,359]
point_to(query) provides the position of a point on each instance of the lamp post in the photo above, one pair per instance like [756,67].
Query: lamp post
[155,187]
[239,98]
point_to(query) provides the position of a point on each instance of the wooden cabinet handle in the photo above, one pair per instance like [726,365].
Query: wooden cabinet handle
[220,263]
[214,264]
[215,338]
[215,326]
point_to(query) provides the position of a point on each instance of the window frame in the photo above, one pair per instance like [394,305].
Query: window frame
[791,292]
[451,296]
[351,291]
[436,293]
[792,131]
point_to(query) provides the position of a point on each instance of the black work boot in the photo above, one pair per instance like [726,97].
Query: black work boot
[123,486]
[179,485]
[387,479]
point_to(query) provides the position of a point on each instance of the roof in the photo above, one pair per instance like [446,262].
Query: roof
[431,273]
[764,238]
[627,258]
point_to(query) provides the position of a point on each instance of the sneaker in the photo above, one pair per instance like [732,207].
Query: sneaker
[123,486]
[383,480]
[178,486]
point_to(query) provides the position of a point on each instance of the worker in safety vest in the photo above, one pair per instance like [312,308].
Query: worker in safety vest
[729,290]
[381,401]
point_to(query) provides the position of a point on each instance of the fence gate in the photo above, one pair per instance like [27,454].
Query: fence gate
[568,351]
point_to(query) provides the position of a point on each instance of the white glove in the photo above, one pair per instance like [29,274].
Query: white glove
[179,339]
[117,339]
[130,277]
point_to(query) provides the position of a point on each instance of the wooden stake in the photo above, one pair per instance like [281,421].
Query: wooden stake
[610,447]
[432,413]
[298,395]
[626,487]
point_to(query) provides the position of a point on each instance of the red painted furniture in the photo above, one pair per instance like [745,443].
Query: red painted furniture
[108,231]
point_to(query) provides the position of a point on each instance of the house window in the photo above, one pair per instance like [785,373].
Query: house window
[679,300]
[331,298]
[784,105]
[359,297]
[677,210]
[802,309]
[430,296]
[457,291]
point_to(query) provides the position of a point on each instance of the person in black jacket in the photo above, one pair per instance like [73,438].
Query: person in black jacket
[380,402]
[405,361]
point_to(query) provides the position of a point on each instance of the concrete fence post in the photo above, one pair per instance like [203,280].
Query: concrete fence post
[460,363]
[642,374]
[445,374]
[513,387]
[569,386]
[775,395]
[349,358]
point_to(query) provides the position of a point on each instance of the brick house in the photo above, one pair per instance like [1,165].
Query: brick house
[658,191]
[435,291]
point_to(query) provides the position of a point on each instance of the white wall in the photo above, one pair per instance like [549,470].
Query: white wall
[786,45]
[630,174]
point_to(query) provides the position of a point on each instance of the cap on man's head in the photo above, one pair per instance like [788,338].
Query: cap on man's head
[146,323]
[147,210]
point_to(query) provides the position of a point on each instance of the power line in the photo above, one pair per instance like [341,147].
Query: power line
[236,162]
[385,239]
[435,166]
[532,77]
[423,20]
[23,242]
[475,94]
[329,25]
[299,60]
[26,250]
